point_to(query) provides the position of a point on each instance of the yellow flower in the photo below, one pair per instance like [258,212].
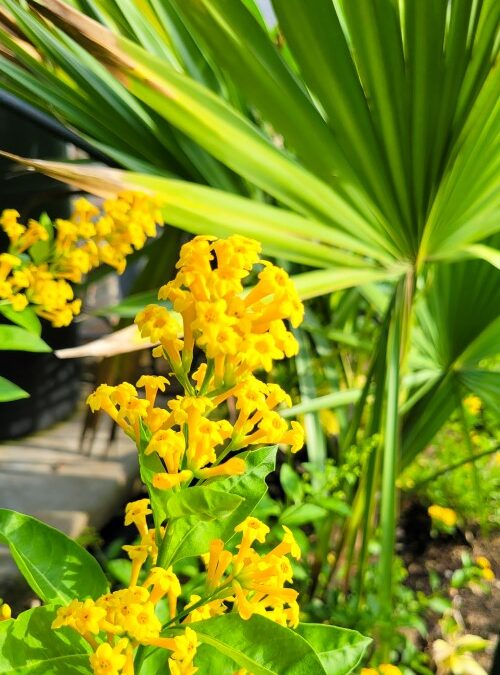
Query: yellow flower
[164,582]
[108,660]
[8,221]
[181,661]
[5,611]
[166,481]
[388,669]
[473,404]
[87,617]
[152,384]
[136,512]
[483,562]
[488,574]
[441,514]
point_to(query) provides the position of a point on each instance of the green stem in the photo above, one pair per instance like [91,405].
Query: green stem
[389,472]
[452,467]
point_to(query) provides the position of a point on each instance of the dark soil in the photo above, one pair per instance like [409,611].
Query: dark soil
[480,612]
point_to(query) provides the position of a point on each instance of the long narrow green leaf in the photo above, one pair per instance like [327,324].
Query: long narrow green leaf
[320,47]
[376,42]
[201,209]
[213,124]
[240,45]
[390,465]
[315,437]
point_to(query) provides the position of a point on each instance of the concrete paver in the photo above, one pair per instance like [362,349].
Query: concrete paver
[45,476]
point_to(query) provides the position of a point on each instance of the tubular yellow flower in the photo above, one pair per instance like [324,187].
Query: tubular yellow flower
[164,582]
[181,661]
[233,467]
[136,512]
[152,384]
[108,660]
[166,481]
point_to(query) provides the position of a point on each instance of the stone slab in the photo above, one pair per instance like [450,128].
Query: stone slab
[45,475]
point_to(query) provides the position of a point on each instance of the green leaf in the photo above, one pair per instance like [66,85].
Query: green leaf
[339,649]
[120,569]
[291,483]
[13,338]
[203,502]
[55,567]
[26,319]
[334,505]
[260,645]
[10,391]
[29,646]
[191,537]
[300,514]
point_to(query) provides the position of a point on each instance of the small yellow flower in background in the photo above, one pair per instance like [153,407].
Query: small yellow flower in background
[485,565]
[5,611]
[483,562]
[443,515]
[473,404]
[91,237]
[454,656]
[329,421]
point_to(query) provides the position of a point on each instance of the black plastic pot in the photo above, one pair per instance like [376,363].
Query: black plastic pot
[52,383]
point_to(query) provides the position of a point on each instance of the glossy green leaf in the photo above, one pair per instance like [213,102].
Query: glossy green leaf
[191,537]
[260,645]
[14,338]
[204,502]
[339,649]
[26,318]
[29,646]
[10,391]
[56,568]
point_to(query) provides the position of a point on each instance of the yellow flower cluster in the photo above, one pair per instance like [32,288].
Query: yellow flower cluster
[207,292]
[42,277]
[239,332]
[116,623]
[254,583]
[443,515]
